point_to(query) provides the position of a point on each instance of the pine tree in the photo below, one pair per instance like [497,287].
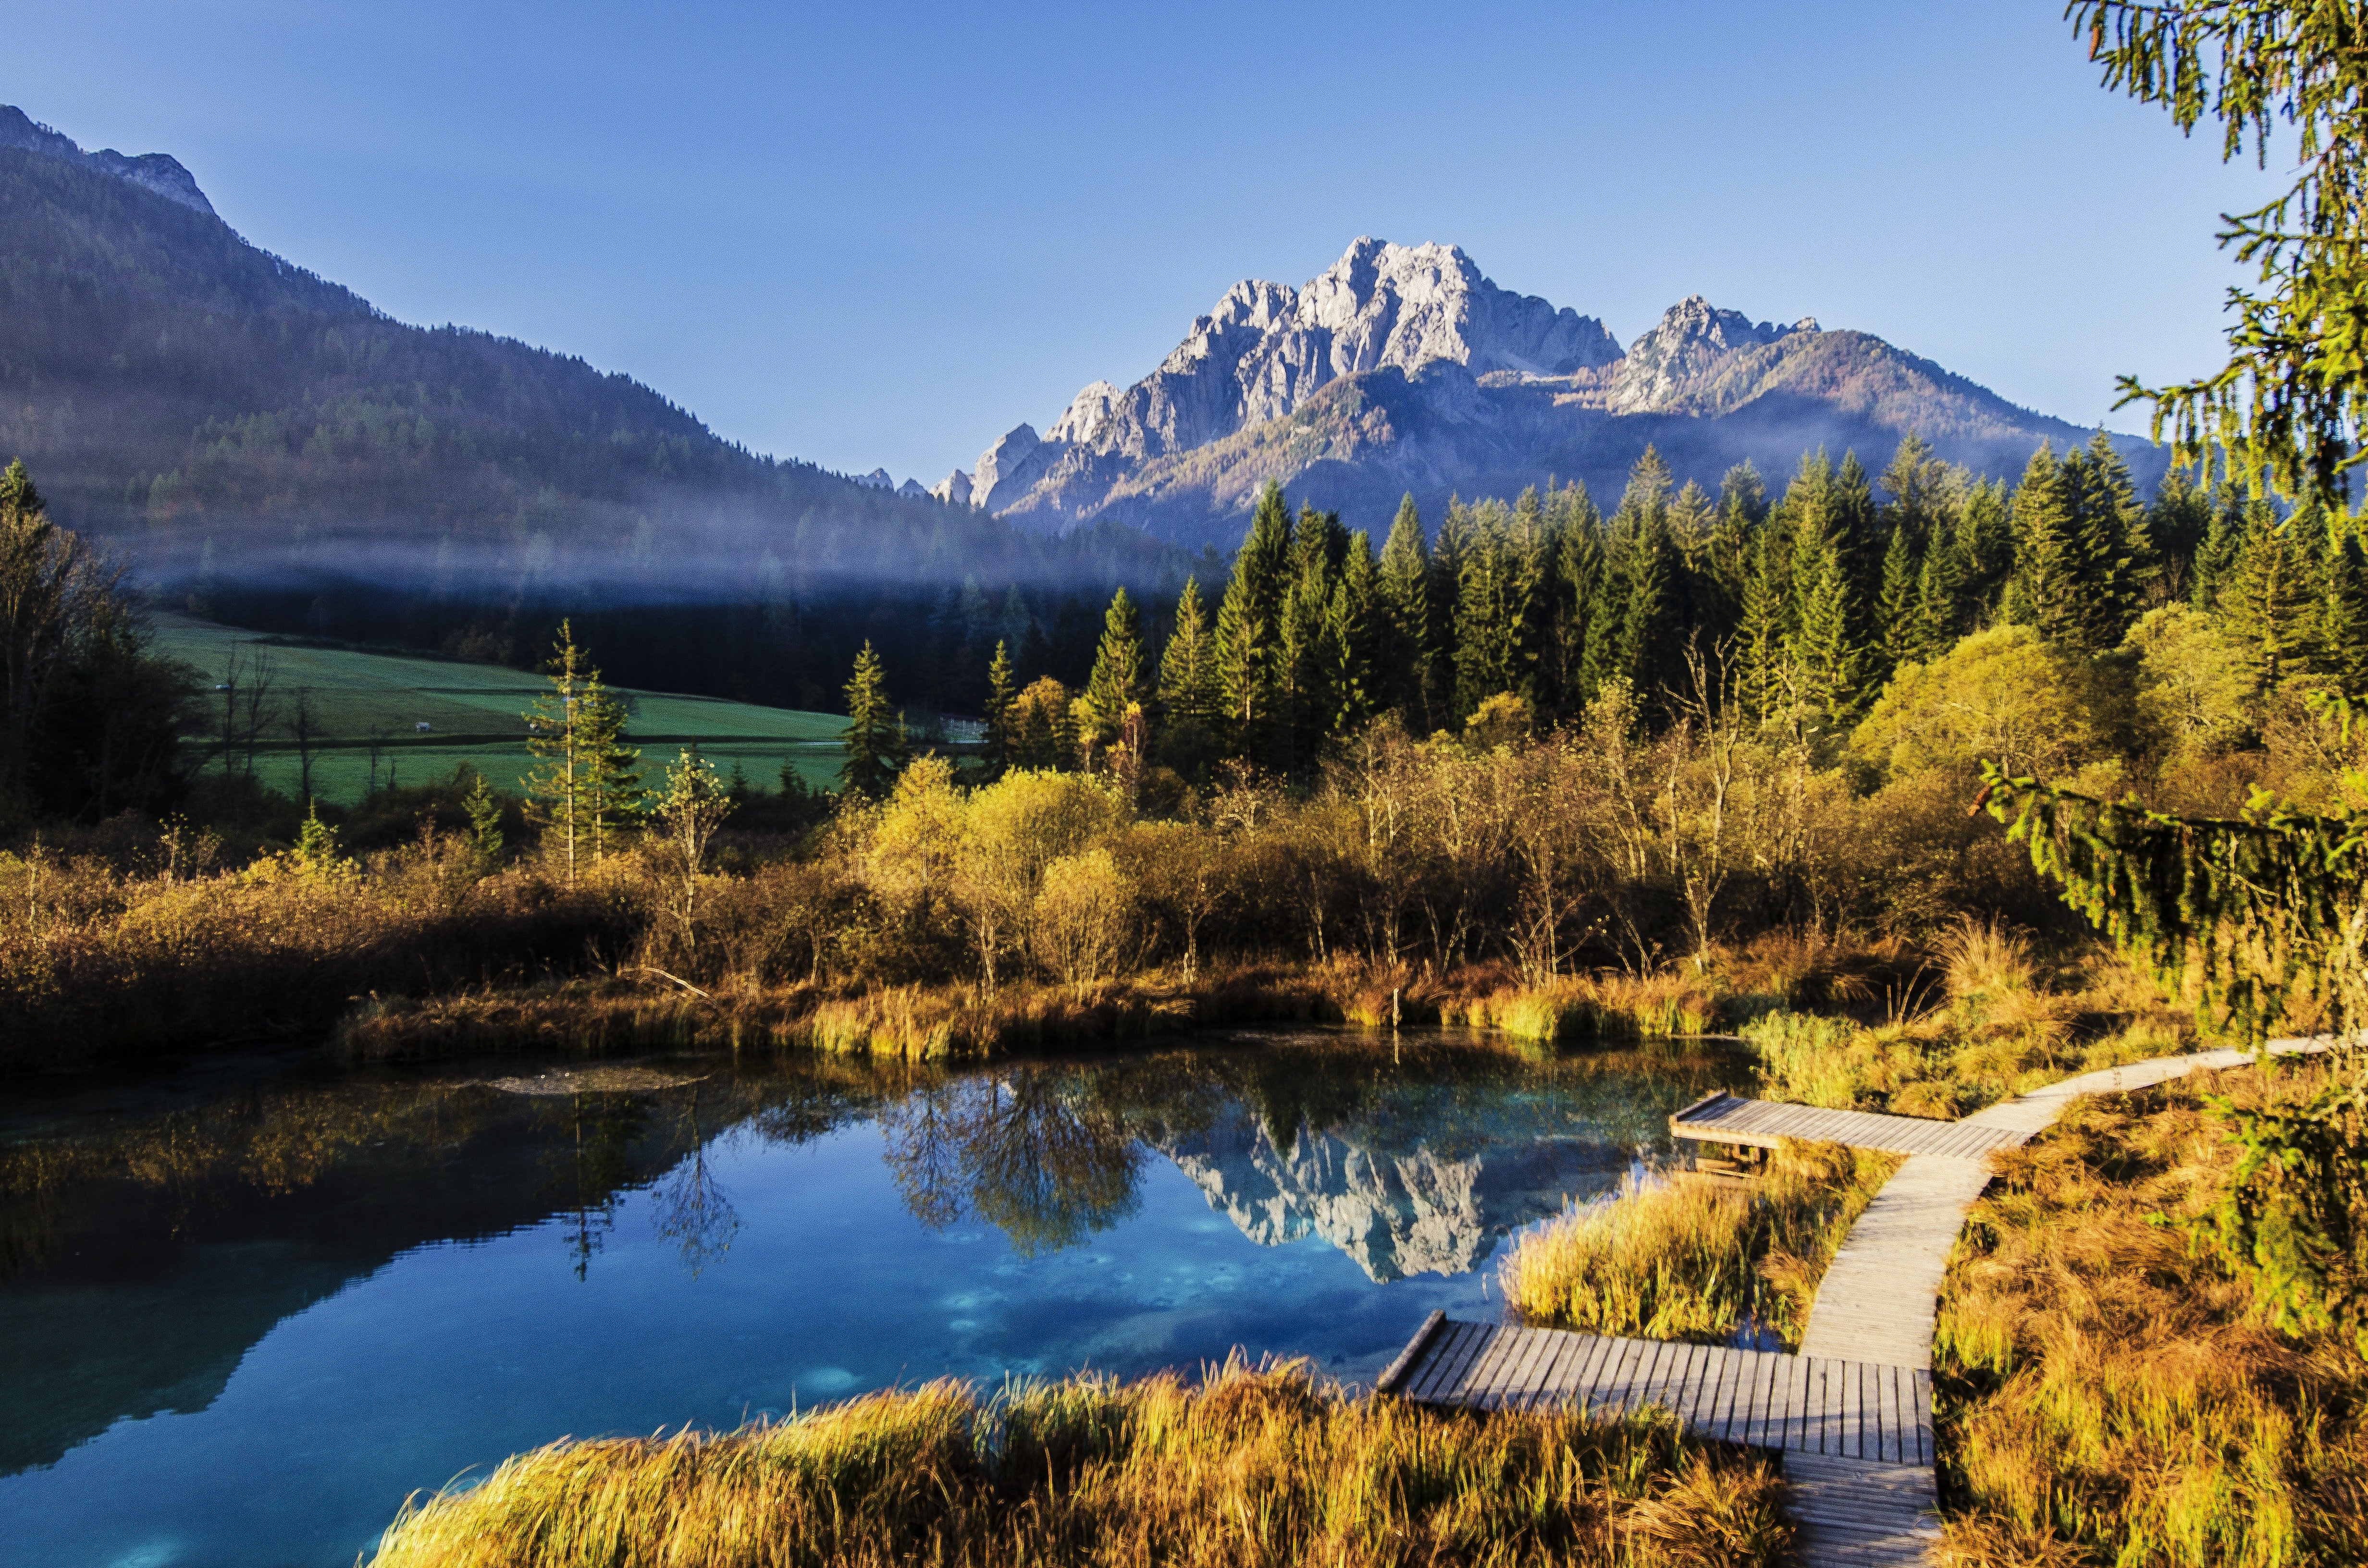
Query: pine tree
[874,737]
[1410,634]
[1304,701]
[2223,540]
[555,787]
[1726,556]
[1934,627]
[2176,520]
[1854,523]
[1187,668]
[1577,570]
[1764,628]
[1447,553]
[2343,625]
[2117,571]
[2045,589]
[1901,634]
[2267,608]
[612,792]
[1117,682]
[1249,628]
[1827,658]
[1985,552]
[1352,642]
[1002,687]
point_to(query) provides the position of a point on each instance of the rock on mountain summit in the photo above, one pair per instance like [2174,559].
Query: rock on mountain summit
[1402,368]
[1267,349]
[157,172]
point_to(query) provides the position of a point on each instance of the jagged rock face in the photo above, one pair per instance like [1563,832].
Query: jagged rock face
[1413,1211]
[1694,342]
[1266,349]
[878,479]
[150,171]
[954,489]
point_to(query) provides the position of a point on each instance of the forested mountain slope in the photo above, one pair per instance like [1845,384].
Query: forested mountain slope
[224,413]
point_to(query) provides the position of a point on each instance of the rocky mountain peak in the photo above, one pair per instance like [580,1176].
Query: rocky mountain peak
[1266,349]
[155,172]
[1693,339]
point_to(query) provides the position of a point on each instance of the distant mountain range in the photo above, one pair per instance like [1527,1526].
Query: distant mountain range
[228,414]
[1402,369]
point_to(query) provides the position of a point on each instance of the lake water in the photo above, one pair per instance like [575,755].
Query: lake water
[245,1310]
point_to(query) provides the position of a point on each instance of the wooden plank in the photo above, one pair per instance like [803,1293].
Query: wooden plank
[1602,1365]
[1483,1364]
[1513,1378]
[1387,1381]
[1423,1381]
[1619,1384]
[1729,1393]
[1753,1430]
[1449,1361]
[1480,1392]
[1570,1373]
[1424,1369]
[1898,1447]
[1796,1405]
[1926,1452]
[1567,1349]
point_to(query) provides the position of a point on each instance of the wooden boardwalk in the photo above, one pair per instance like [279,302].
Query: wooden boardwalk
[1762,1398]
[1851,1414]
[1762,1124]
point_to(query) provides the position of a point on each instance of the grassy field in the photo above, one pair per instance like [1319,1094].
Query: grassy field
[474,713]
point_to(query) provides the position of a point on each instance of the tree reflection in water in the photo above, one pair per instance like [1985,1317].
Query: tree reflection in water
[592,1167]
[1029,1152]
[689,1207]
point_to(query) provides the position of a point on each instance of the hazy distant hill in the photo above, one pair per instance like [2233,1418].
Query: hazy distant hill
[221,409]
[1403,368]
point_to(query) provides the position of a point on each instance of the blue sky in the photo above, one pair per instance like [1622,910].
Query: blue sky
[882,234]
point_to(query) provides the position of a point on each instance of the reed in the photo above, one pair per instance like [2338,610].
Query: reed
[1688,1259]
[1254,1466]
[2106,1392]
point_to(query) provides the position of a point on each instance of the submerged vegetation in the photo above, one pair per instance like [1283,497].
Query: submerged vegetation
[1250,1466]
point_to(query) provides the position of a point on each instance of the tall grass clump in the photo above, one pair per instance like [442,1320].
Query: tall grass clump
[2109,1392]
[1983,1023]
[1254,1467]
[1611,1008]
[1694,1259]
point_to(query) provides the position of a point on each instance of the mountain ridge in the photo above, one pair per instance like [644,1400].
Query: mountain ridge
[1403,369]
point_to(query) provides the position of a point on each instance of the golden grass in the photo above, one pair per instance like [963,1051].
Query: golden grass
[2106,1393]
[1611,1006]
[1254,1467]
[1688,1259]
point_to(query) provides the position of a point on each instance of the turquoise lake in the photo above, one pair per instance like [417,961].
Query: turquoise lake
[247,1309]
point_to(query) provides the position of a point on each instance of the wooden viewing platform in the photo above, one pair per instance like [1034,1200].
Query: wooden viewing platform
[1763,1399]
[1722,1118]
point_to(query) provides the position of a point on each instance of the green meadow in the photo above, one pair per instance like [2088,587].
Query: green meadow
[367,709]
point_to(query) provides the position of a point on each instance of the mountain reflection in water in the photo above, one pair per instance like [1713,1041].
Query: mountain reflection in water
[153,1235]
